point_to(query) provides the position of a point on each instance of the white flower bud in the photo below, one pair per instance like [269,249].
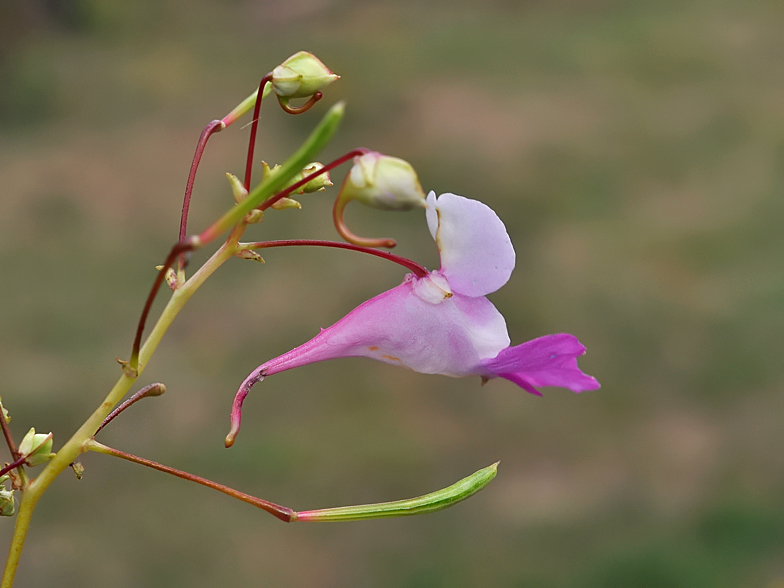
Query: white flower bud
[383,182]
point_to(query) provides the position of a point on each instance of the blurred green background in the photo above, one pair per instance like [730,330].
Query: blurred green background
[635,151]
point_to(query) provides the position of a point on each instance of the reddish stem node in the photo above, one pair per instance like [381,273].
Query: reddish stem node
[178,249]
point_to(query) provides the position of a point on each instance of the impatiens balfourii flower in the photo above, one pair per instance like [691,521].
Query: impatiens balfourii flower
[442,323]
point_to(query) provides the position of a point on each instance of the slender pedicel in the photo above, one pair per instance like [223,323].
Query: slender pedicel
[283,513]
[19,461]
[253,129]
[214,127]
[151,390]
[284,104]
[409,264]
[343,230]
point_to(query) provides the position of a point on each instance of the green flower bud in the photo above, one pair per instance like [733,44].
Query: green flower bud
[254,216]
[237,189]
[383,182]
[7,502]
[36,447]
[285,203]
[317,184]
[301,76]
[240,193]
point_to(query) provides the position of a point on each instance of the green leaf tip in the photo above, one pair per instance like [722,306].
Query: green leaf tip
[432,502]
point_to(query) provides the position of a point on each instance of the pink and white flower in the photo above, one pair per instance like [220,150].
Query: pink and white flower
[442,323]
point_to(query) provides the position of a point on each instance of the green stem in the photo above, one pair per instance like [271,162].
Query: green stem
[75,445]
[233,218]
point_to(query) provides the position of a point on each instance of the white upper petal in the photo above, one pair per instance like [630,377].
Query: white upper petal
[477,256]
[431,214]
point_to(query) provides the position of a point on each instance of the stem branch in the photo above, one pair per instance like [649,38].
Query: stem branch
[19,461]
[151,390]
[75,445]
[285,514]
[9,438]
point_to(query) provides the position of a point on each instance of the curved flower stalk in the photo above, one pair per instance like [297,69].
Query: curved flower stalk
[442,323]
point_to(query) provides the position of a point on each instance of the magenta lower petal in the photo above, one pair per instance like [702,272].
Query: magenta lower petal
[547,361]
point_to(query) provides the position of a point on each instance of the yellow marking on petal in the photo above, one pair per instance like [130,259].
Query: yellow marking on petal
[392,358]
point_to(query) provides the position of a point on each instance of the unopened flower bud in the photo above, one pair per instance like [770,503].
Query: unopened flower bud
[301,76]
[7,502]
[383,182]
[240,193]
[237,189]
[317,184]
[254,216]
[285,203]
[6,416]
[36,447]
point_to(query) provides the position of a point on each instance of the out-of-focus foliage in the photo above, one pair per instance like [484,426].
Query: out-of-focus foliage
[635,151]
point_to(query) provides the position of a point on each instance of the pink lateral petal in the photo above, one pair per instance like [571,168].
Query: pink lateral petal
[398,327]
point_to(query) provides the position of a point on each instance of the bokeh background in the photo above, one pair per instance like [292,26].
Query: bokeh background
[635,151]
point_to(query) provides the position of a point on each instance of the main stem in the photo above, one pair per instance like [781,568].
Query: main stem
[75,445]
[233,218]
